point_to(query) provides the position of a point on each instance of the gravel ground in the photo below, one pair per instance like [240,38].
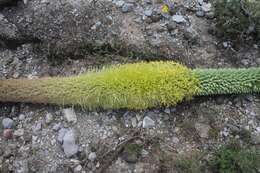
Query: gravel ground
[40,38]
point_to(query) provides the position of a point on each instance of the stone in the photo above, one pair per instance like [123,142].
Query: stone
[120,3]
[171,26]
[70,115]
[77,168]
[191,35]
[202,129]
[69,145]
[167,111]
[148,13]
[178,18]
[127,7]
[37,127]
[92,156]
[21,117]
[206,7]
[61,134]
[8,133]
[175,140]
[56,127]
[134,122]
[200,13]
[19,132]
[7,123]
[148,122]
[48,118]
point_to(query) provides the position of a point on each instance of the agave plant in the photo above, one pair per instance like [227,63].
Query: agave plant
[134,86]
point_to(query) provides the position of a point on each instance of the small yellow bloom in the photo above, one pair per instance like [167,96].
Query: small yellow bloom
[165,8]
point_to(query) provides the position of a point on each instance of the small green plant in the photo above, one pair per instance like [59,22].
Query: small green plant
[234,158]
[245,136]
[192,164]
[236,19]
[134,86]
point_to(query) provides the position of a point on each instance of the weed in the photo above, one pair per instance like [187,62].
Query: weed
[234,158]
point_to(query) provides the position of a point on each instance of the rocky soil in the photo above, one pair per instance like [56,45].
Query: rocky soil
[40,38]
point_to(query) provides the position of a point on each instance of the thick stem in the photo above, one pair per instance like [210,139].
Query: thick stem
[228,81]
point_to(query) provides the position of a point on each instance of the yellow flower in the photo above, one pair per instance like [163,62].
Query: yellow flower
[165,8]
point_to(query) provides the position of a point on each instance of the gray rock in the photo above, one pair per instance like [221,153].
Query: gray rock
[127,7]
[167,110]
[206,7]
[134,122]
[148,1]
[37,127]
[148,13]
[92,156]
[171,26]
[77,168]
[202,129]
[70,115]
[48,118]
[56,127]
[191,35]
[19,132]
[61,134]
[200,13]
[69,145]
[120,3]
[175,140]
[7,123]
[178,18]
[21,117]
[148,122]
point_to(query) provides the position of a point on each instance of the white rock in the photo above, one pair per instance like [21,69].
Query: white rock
[148,122]
[92,156]
[49,118]
[70,115]
[69,145]
[178,19]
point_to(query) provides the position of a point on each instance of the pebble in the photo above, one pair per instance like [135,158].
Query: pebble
[7,123]
[171,26]
[127,7]
[56,127]
[175,140]
[206,7]
[69,145]
[178,19]
[120,3]
[148,122]
[167,111]
[200,13]
[48,118]
[70,115]
[37,127]
[92,156]
[21,117]
[202,129]
[78,168]
[134,122]
[19,132]
[148,13]
[8,133]
[61,134]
